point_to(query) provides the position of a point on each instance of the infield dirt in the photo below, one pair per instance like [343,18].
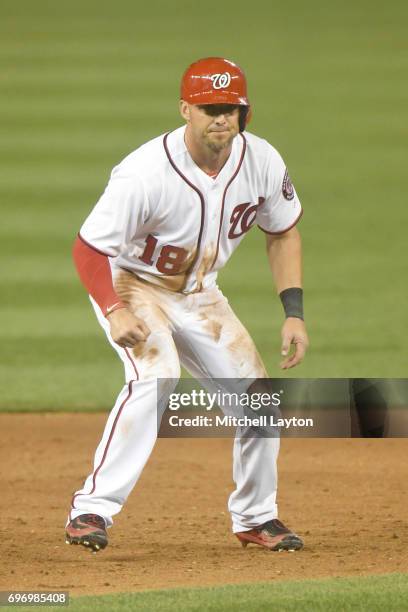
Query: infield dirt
[346,498]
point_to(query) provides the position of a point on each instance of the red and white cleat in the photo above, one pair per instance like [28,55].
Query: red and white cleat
[273,535]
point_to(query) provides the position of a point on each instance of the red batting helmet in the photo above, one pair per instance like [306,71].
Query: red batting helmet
[215,80]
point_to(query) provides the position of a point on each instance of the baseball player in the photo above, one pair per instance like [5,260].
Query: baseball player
[170,217]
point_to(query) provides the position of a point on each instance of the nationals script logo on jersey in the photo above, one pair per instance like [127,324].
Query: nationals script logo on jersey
[243,218]
[221,80]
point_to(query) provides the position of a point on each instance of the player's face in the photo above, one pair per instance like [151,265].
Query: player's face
[212,125]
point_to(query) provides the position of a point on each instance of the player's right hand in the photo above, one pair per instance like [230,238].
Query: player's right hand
[126,329]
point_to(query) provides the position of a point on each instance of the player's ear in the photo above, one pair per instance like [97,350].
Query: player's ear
[185,110]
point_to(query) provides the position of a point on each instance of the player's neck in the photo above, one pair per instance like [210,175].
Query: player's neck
[206,159]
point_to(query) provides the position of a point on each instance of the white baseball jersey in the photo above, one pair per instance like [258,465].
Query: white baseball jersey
[164,219]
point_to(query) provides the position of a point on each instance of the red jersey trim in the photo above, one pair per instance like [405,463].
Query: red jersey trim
[282,231]
[200,195]
[244,146]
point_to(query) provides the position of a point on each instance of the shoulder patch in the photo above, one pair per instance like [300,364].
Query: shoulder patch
[287,187]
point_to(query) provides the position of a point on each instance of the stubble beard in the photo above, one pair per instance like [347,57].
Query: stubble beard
[218,146]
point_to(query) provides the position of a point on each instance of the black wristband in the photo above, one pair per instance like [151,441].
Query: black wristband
[292,301]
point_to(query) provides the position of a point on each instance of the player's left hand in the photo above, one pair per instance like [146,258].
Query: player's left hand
[293,332]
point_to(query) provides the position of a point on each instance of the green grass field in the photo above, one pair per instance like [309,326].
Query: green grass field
[85,83]
[376,593]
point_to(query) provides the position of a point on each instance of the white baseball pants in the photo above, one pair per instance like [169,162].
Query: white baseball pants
[202,332]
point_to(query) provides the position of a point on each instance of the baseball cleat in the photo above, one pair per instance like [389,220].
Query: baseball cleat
[273,535]
[89,530]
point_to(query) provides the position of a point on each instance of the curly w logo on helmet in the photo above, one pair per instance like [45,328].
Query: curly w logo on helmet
[221,80]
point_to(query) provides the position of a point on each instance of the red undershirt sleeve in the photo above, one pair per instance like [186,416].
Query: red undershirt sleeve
[94,271]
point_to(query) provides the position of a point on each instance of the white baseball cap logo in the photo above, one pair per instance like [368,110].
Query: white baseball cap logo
[221,80]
